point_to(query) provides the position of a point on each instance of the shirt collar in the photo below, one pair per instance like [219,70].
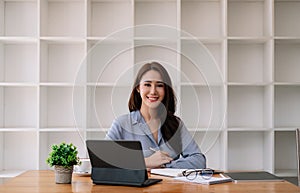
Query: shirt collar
[137,118]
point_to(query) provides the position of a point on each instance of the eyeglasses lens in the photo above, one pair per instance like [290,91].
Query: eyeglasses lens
[191,174]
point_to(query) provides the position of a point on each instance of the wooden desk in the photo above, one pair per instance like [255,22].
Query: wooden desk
[43,182]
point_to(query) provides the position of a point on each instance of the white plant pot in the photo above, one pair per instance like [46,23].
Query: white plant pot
[63,175]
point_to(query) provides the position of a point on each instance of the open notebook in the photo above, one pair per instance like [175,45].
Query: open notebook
[177,175]
[172,172]
[169,172]
[200,180]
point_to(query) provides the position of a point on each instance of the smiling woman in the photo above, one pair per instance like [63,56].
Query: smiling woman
[165,139]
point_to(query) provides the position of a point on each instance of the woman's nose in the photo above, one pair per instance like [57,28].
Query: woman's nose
[153,90]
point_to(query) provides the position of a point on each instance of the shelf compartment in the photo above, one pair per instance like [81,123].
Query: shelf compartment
[285,20]
[285,140]
[250,107]
[62,18]
[203,106]
[164,52]
[16,111]
[104,104]
[47,139]
[60,61]
[243,146]
[19,62]
[203,18]
[211,144]
[249,61]
[56,107]
[287,106]
[1,147]
[95,135]
[202,63]
[18,18]
[110,62]
[156,12]
[16,146]
[249,18]
[120,16]
[287,59]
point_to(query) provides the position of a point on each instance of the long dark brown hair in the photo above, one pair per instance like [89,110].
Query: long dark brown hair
[171,123]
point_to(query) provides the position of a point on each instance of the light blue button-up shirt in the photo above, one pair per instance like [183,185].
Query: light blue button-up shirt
[133,127]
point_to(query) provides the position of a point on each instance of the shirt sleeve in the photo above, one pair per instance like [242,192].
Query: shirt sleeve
[191,156]
[115,131]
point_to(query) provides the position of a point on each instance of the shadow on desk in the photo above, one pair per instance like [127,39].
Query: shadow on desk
[293,180]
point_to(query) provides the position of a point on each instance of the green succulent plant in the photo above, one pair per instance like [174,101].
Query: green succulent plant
[63,155]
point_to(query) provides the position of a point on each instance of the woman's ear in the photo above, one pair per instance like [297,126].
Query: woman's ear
[137,88]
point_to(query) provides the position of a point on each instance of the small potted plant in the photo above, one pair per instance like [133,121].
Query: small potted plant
[63,157]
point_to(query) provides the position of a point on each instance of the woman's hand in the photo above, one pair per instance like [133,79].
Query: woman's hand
[158,159]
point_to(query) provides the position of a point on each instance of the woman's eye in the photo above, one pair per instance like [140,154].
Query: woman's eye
[160,85]
[147,84]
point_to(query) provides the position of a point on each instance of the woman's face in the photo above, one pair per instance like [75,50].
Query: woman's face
[151,89]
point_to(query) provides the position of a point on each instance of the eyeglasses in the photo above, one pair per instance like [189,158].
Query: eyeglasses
[191,174]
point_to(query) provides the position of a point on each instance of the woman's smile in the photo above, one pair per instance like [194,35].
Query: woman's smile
[152,98]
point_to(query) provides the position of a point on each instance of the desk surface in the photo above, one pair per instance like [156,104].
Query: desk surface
[43,181]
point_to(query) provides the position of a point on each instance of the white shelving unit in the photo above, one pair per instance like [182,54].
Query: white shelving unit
[48,45]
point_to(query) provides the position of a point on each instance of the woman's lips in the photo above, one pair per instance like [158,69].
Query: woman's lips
[152,99]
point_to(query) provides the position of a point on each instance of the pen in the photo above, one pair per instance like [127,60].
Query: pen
[222,175]
[163,152]
[152,149]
